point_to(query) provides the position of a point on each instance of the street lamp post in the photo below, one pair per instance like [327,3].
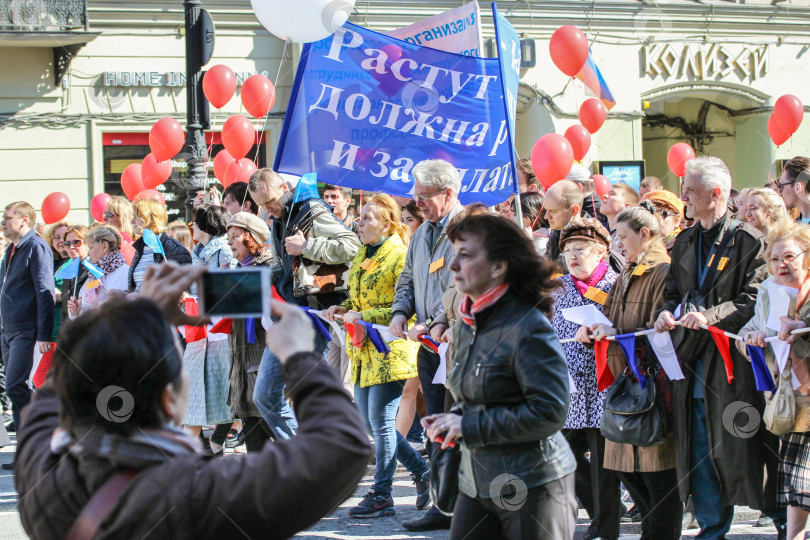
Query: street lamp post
[199,47]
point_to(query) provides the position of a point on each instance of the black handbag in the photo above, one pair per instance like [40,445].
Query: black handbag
[444,466]
[633,415]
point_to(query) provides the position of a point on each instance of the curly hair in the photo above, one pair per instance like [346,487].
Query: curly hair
[529,276]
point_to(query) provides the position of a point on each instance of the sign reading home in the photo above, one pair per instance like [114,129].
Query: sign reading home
[157,78]
[714,62]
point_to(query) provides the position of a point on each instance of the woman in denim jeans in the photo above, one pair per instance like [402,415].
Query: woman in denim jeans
[379,377]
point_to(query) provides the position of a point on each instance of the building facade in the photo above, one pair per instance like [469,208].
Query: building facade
[82,81]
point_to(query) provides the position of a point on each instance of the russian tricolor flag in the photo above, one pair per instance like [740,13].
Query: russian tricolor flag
[592,78]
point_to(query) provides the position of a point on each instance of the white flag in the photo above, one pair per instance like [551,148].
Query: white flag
[665,351]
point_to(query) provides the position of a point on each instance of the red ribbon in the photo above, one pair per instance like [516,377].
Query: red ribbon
[721,340]
[193,333]
[604,377]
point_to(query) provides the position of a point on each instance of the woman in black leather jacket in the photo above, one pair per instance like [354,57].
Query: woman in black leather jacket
[510,383]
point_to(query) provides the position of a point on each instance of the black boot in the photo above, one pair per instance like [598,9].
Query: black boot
[433,520]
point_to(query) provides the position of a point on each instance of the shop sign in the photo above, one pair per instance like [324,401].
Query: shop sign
[715,62]
[157,78]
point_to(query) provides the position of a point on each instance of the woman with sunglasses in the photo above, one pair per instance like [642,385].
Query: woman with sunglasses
[76,248]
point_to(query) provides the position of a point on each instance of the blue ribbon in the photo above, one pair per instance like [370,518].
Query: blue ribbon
[762,374]
[376,338]
[628,344]
[250,330]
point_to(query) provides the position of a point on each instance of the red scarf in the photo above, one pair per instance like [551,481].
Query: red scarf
[468,308]
[596,277]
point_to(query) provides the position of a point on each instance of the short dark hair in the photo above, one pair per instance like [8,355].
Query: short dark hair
[525,166]
[212,219]
[347,192]
[414,210]
[794,169]
[528,274]
[531,205]
[239,192]
[126,349]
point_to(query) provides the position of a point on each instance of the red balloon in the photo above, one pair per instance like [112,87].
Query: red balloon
[55,207]
[601,185]
[98,205]
[789,112]
[222,161]
[592,114]
[132,180]
[154,172]
[552,158]
[677,157]
[238,171]
[258,95]
[150,194]
[238,135]
[580,140]
[166,138]
[219,85]
[569,49]
[778,135]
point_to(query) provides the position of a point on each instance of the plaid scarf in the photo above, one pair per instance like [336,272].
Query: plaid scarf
[112,262]
[468,308]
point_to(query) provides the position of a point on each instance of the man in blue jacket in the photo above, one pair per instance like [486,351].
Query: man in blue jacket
[26,302]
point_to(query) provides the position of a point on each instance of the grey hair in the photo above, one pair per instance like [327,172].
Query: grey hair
[105,233]
[437,174]
[713,173]
[638,217]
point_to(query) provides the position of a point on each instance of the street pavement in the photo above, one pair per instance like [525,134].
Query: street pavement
[339,526]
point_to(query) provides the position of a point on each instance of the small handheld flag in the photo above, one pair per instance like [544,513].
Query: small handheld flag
[97,272]
[151,240]
[69,270]
[318,324]
[426,340]
[628,344]
[307,188]
[593,79]
[721,340]
[604,377]
[375,337]
[762,375]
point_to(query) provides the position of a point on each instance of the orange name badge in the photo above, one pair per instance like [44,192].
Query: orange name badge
[437,264]
[640,269]
[722,263]
[596,295]
[92,284]
[556,276]
[368,265]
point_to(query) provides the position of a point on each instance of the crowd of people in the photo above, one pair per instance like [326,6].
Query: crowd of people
[487,353]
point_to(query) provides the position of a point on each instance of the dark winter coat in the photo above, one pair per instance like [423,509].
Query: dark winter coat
[738,460]
[175,252]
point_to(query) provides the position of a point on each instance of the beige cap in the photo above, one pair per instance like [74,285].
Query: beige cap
[257,228]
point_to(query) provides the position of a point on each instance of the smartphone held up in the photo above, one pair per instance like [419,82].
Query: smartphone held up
[238,294]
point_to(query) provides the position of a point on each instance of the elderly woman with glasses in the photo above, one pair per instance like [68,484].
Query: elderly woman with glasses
[585,244]
[789,266]
[104,251]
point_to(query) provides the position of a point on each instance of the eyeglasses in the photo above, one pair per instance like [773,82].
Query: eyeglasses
[787,258]
[76,243]
[109,215]
[425,196]
[780,187]
[575,252]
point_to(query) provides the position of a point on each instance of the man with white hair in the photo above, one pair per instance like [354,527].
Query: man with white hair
[423,280]
[716,269]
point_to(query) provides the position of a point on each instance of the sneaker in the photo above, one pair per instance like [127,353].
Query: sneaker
[374,504]
[632,516]
[422,490]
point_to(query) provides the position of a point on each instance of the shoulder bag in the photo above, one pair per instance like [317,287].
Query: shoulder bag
[444,465]
[780,408]
[633,415]
[311,277]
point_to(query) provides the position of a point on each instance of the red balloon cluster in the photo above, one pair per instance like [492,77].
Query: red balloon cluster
[150,194]
[677,157]
[154,172]
[552,158]
[238,171]
[219,85]
[166,138]
[132,180]
[788,113]
[258,95]
[55,207]
[98,205]
[569,49]
[580,140]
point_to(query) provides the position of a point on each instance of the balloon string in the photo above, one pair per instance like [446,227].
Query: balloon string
[540,213]
[267,116]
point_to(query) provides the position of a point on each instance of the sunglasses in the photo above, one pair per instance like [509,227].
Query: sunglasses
[76,243]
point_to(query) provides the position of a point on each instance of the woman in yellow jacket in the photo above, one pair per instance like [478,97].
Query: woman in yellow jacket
[380,377]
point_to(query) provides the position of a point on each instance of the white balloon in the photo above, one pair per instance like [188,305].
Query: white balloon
[302,21]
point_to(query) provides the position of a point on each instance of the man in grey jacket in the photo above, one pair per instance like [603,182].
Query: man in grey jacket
[423,281]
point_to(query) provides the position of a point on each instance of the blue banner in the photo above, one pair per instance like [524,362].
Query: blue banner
[366,107]
[509,55]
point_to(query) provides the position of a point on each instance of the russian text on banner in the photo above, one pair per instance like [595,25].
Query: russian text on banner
[366,107]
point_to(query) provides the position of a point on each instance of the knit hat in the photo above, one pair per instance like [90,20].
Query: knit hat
[663,196]
[578,174]
[252,224]
[587,229]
